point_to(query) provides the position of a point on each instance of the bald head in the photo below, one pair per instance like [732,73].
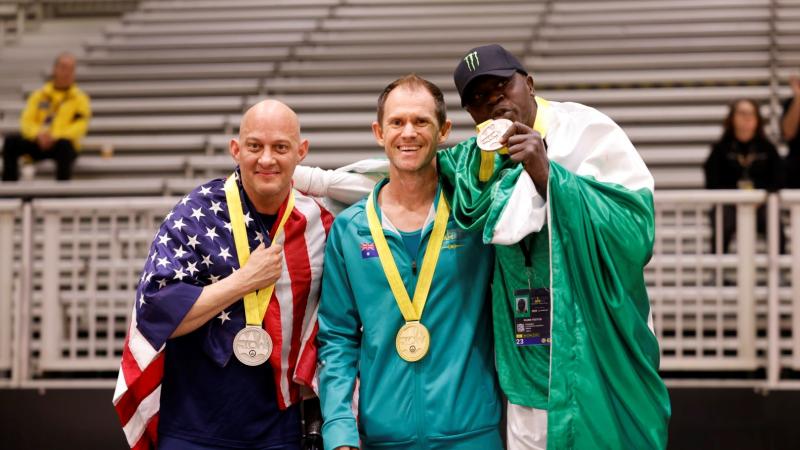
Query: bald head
[267,151]
[273,114]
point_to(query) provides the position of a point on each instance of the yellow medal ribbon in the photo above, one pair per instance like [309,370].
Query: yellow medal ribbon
[411,311]
[539,124]
[255,303]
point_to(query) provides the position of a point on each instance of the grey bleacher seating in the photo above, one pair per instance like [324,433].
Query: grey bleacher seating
[84,188]
[176,71]
[188,14]
[279,39]
[166,88]
[186,56]
[152,144]
[172,78]
[138,106]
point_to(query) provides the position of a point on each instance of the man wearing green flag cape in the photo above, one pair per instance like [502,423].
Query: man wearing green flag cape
[574,239]
[574,347]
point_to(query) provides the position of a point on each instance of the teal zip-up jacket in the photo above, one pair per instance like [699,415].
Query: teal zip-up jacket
[447,400]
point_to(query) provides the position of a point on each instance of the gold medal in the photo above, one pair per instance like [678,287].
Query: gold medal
[489,136]
[412,341]
[252,346]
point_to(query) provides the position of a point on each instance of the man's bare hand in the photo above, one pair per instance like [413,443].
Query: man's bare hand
[527,147]
[44,140]
[263,268]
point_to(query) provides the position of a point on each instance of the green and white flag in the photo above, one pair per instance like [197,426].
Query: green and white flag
[597,226]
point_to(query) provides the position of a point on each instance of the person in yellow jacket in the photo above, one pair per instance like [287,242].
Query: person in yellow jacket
[52,125]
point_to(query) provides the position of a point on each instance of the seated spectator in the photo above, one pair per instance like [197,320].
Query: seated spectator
[790,125]
[743,158]
[52,124]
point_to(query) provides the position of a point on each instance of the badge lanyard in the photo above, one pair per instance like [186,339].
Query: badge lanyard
[526,252]
[53,110]
[255,303]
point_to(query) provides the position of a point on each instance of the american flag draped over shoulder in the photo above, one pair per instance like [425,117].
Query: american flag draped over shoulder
[194,247]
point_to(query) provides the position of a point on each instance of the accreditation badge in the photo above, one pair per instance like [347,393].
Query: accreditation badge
[252,345]
[412,341]
[532,317]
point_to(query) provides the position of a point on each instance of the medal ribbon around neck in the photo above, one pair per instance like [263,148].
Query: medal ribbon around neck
[255,303]
[410,311]
[487,158]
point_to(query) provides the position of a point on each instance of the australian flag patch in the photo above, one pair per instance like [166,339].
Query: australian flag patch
[368,250]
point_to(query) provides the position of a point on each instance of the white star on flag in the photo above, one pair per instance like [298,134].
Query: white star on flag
[223,316]
[179,252]
[168,216]
[215,207]
[223,253]
[205,190]
[228,227]
[192,268]
[197,213]
[179,274]
[163,262]
[141,300]
[211,233]
[207,261]
[192,241]
[247,219]
[153,256]
[185,200]
[260,236]
[149,276]
[213,278]
[178,224]
[162,282]
[163,239]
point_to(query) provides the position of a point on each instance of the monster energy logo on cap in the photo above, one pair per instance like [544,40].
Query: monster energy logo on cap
[494,60]
[472,61]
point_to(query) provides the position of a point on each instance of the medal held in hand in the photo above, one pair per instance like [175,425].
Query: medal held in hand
[252,346]
[489,136]
[412,341]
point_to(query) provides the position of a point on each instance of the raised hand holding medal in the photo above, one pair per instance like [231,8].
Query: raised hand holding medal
[252,345]
[490,134]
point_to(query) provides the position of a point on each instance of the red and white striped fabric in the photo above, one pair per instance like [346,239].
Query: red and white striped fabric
[290,320]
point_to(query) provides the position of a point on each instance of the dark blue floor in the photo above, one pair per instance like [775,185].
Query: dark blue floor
[706,419]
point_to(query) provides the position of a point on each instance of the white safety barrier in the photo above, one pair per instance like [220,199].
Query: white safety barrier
[81,260]
[69,269]
[9,216]
[704,303]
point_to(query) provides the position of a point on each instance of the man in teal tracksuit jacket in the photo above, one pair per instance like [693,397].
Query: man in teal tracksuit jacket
[449,399]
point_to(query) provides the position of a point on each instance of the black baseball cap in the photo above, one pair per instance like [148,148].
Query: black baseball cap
[490,59]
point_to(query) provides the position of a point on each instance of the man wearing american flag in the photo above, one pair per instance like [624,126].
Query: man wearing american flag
[221,347]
